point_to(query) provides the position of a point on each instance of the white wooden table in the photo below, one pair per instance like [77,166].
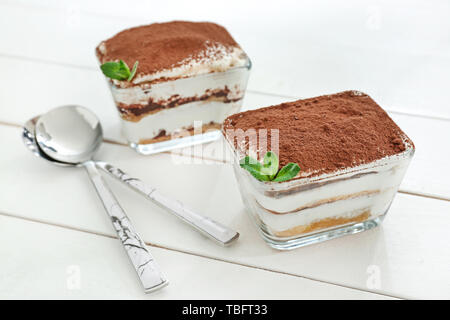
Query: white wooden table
[55,239]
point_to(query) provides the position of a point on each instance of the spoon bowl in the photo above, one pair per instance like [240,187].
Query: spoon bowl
[69,134]
[53,135]
[29,139]
[213,229]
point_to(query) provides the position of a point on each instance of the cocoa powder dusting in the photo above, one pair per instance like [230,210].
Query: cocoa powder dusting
[162,46]
[326,133]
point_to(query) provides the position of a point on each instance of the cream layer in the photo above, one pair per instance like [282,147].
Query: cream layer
[371,189]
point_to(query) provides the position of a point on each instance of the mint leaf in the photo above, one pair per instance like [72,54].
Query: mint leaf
[254,167]
[133,71]
[270,167]
[118,70]
[288,172]
[257,174]
[268,171]
[250,161]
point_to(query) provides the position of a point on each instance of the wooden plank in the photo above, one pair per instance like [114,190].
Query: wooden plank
[50,262]
[412,243]
[88,88]
[401,56]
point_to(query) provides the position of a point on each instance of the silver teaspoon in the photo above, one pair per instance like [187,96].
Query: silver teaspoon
[214,230]
[73,134]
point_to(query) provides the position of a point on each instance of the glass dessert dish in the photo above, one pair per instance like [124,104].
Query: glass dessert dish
[295,213]
[189,78]
[322,204]
[181,112]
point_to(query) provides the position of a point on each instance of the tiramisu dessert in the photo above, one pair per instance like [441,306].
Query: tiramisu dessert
[352,158]
[173,80]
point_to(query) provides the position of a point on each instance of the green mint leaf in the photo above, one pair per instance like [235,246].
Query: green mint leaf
[270,166]
[254,167]
[288,172]
[257,174]
[116,70]
[124,67]
[268,170]
[250,161]
[133,71]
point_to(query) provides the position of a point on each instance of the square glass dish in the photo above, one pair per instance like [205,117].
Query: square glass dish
[179,113]
[349,158]
[304,211]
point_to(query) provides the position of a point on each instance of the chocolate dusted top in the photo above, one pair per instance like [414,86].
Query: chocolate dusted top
[326,133]
[161,46]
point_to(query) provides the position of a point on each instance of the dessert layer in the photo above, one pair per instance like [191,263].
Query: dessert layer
[322,202]
[323,135]
[323,224]
[173,50]
[342,197]
[163,136]
[300,196]
[173,120]
[137,102]
[345,209]
[135,112]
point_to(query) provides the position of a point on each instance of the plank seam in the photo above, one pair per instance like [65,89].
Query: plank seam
[221,161]
[197,255]
[91,68]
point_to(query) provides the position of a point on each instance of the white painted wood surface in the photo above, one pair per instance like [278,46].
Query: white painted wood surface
[398,52]
[399,56]
[69,264]
[411,242]
[88,88]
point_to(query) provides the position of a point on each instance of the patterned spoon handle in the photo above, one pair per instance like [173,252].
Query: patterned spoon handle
[216,231]
[143,262]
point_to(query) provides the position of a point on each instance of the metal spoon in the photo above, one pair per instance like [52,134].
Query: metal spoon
[72,135]
[214,230]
